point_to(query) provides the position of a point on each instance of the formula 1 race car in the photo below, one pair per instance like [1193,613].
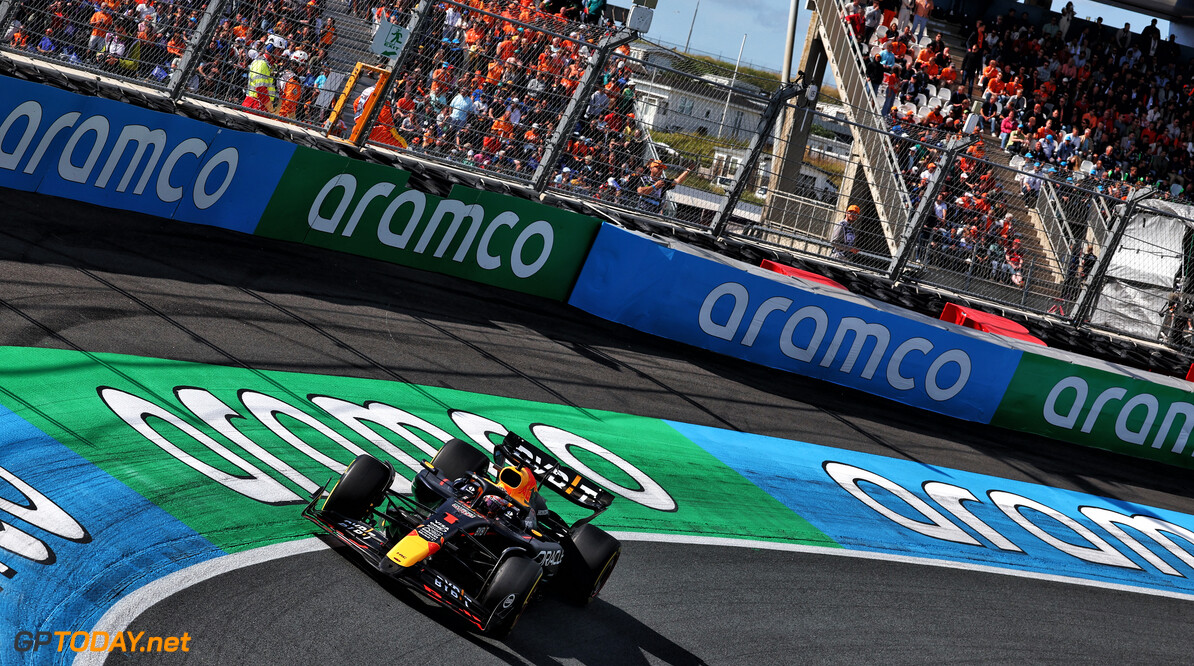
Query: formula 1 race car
[483,547]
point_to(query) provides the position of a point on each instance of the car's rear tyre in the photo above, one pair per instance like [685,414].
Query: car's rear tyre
[508,593]
[458,457]
[362,487]
[590,555]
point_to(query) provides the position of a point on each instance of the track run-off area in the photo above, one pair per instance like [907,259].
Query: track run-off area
[171,394]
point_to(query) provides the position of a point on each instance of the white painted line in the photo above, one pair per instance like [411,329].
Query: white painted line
[121,615]
[887,557]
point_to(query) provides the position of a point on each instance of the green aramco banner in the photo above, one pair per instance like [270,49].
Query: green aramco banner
[1099,408]
[368,210]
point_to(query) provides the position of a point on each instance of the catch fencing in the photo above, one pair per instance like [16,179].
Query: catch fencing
[593,112]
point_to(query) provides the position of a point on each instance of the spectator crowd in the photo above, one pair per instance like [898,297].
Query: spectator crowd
[1077,101]
[485,83]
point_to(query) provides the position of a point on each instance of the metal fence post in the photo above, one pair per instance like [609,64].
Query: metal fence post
[766,123]
[953,148]
[380,96]
[194,51]
[554,145]
[1089,297]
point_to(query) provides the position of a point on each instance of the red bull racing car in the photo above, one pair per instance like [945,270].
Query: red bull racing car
[483,546]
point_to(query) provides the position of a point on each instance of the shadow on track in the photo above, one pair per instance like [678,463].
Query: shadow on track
[598,633]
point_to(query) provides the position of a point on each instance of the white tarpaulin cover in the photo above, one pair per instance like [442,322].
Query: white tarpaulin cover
[1151,249]
[1130,309]
[1140,276]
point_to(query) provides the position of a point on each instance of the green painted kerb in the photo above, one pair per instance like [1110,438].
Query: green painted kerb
[212,418]
[366,209]
[1106,410]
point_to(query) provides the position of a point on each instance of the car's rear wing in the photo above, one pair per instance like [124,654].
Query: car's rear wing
[548,471]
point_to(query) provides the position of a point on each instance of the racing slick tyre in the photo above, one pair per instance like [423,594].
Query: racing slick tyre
[508,592]
[457,457]
[590,555]
[360,488]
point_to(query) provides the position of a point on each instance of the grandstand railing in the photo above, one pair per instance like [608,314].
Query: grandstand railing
[1099,220]
[1053,221]
[878,155]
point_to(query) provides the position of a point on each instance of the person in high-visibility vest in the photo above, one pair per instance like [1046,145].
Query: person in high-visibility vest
[261,75]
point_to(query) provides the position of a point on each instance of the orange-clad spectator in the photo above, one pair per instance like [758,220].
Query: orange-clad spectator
[493,73]
[552,64]
[1014,88]
[441,78]
[983,206]
[569,85]
[533,135]
[406,104]
[899,49]
[241,30]
[931,69]
[509,15]
[949,75]
[925,56]
[506,48]
[328,36]
[935,118]
[176,45]
[473,35]
[502,127]
[1048,88]
[995,86]
[20,38]
[101,22]
[991,70]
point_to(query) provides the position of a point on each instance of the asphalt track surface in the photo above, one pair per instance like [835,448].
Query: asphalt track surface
[80,277]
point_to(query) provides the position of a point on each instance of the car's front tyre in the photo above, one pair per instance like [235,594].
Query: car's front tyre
[362,487]
[508,592]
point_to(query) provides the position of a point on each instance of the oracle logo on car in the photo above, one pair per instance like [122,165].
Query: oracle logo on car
[92,156]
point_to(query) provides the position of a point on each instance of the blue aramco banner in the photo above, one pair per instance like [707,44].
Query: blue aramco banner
[120,156]
[634,280]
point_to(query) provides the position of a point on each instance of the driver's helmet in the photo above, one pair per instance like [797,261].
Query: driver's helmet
[519,483]
[467,488]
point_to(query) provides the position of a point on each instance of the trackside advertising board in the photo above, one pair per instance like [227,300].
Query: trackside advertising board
[1104,408]
[633,280]
[366,209]
[119,156]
